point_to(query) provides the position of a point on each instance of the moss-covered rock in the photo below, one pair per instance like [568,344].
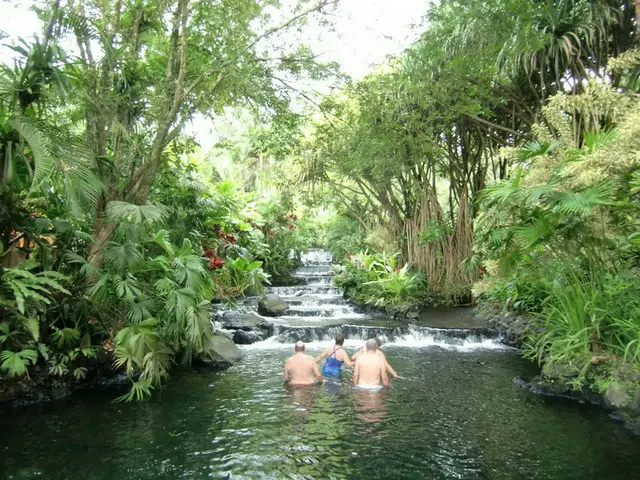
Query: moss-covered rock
[617,395]
[559,371]
[272,306]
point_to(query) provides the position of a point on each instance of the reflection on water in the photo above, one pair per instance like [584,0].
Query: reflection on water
[301,398]
[370,405]
[455,415]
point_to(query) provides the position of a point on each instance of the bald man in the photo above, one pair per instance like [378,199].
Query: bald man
[390,370]
[370,371]
[300,369]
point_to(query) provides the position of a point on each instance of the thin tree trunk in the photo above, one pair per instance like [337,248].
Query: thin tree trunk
[637,2]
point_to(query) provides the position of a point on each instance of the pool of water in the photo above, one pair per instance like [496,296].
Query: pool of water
[454,415]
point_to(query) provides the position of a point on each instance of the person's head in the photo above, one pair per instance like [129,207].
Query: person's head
[378,341]
[299,346]
[371,345]
[340,339]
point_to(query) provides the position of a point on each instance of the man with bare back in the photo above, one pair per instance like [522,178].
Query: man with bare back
[300,369]
[390,370]
[370,369]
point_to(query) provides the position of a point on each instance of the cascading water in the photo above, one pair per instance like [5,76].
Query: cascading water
[317,312]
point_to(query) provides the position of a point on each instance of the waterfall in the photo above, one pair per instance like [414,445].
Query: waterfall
[317,312]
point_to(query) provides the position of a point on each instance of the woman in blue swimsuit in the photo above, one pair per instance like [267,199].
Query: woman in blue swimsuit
[336,356]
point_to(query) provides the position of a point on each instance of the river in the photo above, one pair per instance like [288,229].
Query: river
[455,414]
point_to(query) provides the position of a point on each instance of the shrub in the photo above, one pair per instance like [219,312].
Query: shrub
[376,279]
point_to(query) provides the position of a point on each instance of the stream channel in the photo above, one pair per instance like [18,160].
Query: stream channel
[454,414]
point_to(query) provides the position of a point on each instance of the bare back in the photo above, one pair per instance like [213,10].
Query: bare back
[379,353]
[370,370]
[301,369]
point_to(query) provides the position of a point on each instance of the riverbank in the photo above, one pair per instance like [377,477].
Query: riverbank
[41,386]
[608,382]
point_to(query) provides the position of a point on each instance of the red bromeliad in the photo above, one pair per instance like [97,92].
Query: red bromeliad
[216,263]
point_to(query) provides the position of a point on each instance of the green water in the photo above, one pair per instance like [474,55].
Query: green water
[456,415]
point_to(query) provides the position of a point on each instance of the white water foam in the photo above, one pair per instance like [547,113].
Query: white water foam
[469,344]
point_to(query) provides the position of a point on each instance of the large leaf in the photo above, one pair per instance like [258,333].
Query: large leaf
[118,211]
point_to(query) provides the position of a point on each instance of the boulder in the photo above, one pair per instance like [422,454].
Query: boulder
[249,321]
[558,370]
[617,395]
[272,306]
[242,337]
[223,352]
[635,405]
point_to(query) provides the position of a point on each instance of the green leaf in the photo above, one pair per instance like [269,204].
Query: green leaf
[128,212]
[66,337]
[33,326]
[15,363]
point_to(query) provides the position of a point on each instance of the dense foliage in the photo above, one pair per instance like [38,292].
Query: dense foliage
[560,238]
[500,153]
[113,239]
[497,158]
[376,279]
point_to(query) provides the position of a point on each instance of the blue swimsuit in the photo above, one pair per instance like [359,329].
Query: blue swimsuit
[332,366]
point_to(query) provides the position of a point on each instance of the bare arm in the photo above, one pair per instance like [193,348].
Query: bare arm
[387,366]
[317,373]
[383,373]
[390,370]
[286,372]
[346,360]
[322,355]
[356,373]
[357,354]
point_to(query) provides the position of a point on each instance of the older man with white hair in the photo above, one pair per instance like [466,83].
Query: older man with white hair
[301,369]
[370,369]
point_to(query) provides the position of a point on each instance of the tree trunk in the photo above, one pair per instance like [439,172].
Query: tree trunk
[637,2]
[101,236]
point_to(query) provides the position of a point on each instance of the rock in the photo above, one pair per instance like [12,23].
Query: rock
[242,337]
[223,352]
[299,293]
[617,396]
[272,306]
[557,370]
[519,382]
[246,321]
[627,373]
[413,315]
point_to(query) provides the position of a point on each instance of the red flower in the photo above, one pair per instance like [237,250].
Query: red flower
[209,253]
[216,263]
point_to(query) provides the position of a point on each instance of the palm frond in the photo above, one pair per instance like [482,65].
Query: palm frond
[54,158]
[118,211]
